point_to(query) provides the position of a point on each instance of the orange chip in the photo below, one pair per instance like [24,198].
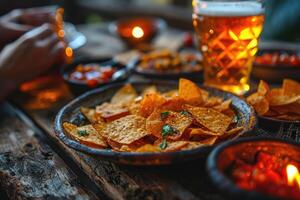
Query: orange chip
[148,148]
[277,97]
[201,132]
[174,104]
[209,141]
[263,88]
[154,123]
[289,108]
[177,121]
[225,105]
[85,134]
[191,93]
[110,112]
[291,88]
[232,132]
[260,103]
[126,130]
[150,102]
[210,118]
[148,90]
[170,94]
[213,101]
[124,95]
[91,115]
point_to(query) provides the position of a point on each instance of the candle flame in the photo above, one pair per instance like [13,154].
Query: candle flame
[137,32]
[293,175]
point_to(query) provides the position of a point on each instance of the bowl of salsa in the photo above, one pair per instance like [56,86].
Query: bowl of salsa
[86,74]
[256,168]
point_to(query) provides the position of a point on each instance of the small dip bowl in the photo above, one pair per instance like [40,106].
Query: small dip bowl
[225,156]
[80,86]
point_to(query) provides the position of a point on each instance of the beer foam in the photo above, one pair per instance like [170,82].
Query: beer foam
[228,9]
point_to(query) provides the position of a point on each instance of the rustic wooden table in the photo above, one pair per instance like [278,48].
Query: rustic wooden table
[35,164]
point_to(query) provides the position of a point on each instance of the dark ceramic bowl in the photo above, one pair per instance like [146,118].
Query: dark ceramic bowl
[276,73]
[223,156]
[71,113]
[196,76]
[276,125]
[151,27]
[78,87]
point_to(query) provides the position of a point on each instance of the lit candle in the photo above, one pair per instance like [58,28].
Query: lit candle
[137,32]
[293,175]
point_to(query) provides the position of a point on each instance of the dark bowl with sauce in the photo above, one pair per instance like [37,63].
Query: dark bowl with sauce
[221,160]
[80,86]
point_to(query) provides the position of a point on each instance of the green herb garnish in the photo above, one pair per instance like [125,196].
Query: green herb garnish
[82,132]
[163,144]
[167,130]
[184,112]
[164,115]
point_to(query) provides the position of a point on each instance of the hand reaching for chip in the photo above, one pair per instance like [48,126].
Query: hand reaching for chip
[29,56]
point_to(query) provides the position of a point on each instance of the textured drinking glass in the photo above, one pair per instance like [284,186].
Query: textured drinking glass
[227,34]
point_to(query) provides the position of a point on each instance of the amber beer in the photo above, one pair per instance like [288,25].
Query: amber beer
[227,33]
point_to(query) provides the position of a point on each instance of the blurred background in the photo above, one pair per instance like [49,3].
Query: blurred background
[282,17]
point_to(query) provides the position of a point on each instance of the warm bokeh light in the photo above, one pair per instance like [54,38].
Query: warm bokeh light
[137,32]
[292,175]
[69,52]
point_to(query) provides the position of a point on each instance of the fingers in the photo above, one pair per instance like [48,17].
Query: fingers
[9,22]
[38,15]
[39,33]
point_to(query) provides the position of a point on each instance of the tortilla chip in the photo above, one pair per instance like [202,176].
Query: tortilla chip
[263,88]
[110,112]
[232,132]
[200,132]
[150,102]
[213,101]
[191,93]
[177,121]
[126,130]
[90,115]
[134,108]
[289,108]
[124,95]
[175,146]
[277,97]
[225,105]
[290,87]
[209,141]
[174,104]
[148,148]
[210,118]
[260,103]
[90,136]
[148,90]
[154,123]
[170,94]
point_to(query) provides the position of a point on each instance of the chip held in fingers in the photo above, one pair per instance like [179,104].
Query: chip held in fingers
[154,121]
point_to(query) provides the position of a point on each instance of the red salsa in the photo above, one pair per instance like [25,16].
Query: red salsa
[268,175]
[272,59]
[92,74]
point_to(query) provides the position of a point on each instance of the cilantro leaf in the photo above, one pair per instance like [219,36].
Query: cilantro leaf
[82,132]
[184,112]
[163,144]
[164,115]
[167,130]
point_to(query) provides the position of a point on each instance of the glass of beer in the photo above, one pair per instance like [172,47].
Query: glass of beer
[227,34]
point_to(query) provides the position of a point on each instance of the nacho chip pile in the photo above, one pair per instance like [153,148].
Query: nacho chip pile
[157,122]
[280,103]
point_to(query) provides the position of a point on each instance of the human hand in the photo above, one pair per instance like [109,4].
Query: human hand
[19,21]
[29,56]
